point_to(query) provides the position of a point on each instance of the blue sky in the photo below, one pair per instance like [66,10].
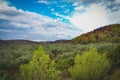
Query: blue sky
[46,20]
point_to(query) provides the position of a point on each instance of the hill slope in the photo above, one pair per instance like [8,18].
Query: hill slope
[3,42]
[17,41]
[109,33]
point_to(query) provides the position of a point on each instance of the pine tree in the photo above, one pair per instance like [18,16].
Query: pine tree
[90,65]
[40,68]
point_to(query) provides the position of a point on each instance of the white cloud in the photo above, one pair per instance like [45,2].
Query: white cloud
[117,1]
[76,4]
[47,2]
[32,25]
[67,10]
[96,15]
[79,8]
[3,30]
[114,17]
[43,1]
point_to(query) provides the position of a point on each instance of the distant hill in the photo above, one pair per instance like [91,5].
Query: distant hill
[2,42]
[109,33]
[58,41]
[18,42]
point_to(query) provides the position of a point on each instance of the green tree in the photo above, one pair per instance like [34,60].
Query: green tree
[89,66]
[40,68]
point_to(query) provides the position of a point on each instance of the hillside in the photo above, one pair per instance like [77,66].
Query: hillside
[3,42]
[18,42]
[109,33]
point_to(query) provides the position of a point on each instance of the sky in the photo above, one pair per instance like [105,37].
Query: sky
[49,20]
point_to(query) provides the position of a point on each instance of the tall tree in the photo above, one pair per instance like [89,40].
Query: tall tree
[40,68]
[89,66]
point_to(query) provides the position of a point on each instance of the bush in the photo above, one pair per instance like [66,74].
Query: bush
[64,63]
[40,68]
[3,75]
[113,55]
[89,66]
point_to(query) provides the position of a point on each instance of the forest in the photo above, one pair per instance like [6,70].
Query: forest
[96,58]
[61,61]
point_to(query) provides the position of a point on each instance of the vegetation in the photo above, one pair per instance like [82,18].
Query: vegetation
[109,33]
[3,75]
[11,56]
[64,61]
[62,54]
[114,55]
[40,68]
[89,66]
[116,75]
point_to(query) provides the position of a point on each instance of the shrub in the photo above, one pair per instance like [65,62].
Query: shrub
[40,68]
[64,63]
[113,55]
[89,66]
[3,75]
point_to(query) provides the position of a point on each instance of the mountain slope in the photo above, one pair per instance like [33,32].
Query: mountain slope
[109,33]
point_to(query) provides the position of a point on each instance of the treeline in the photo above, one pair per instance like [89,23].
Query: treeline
[91,63]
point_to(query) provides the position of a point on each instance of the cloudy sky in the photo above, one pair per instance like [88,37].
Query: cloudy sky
[46,20]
